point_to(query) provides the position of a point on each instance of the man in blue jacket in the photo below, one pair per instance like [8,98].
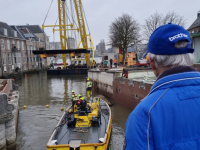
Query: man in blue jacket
[168,118]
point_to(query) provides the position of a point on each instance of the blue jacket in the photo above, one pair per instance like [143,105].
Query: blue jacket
[169,117]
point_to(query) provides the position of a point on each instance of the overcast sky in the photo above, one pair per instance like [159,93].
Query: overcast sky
[100,13]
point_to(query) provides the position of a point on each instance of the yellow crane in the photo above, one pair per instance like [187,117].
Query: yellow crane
[81,29]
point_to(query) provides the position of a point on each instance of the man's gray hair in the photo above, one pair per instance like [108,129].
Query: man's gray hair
[172,60]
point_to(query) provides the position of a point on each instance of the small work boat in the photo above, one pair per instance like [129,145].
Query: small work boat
[83,130]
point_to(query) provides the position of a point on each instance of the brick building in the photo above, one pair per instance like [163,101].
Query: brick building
[39,33]
[12,50]
[32,43]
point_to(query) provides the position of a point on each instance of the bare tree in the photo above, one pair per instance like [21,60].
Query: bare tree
[124,32]
[158,19]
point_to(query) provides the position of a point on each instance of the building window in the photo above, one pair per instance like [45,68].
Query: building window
[2,46]
[30,59]
[18,45]
[196,46]
[22,45]
[9,59]
[32,66]
[28,48]
[8,44]
[4,58]
[14,58]
[13,42]
[18,55]
[2,40]
[24,57]
[24,67]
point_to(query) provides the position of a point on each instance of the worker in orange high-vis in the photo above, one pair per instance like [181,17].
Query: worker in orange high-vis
[115,62]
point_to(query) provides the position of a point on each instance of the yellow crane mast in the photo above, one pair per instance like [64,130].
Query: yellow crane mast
[62,23]
[81,29]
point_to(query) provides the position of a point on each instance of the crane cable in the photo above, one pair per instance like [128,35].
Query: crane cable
[67,32]
[75,24]
[87,25]
[47,12]
[72,14]
[68,17]
[85,18]
[54,34]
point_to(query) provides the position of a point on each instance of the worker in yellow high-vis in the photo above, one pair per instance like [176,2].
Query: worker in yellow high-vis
[89,88]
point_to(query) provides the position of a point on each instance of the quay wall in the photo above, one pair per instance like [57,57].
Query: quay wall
[9,108]
[103,82]
[127,92]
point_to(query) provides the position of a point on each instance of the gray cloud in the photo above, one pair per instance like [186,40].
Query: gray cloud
[99,13]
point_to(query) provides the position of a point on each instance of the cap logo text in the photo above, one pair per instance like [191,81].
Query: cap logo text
[180,35]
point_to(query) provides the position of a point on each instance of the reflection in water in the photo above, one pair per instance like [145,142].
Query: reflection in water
[37,122]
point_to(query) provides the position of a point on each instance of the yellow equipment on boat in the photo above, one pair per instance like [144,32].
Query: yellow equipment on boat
[87,126]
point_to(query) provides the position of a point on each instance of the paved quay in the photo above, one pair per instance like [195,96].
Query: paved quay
[9,108]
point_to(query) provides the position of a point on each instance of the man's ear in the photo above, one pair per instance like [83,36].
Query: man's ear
[151,63]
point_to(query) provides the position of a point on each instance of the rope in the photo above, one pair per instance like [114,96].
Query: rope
[62,137]
[47,12]
[81,130]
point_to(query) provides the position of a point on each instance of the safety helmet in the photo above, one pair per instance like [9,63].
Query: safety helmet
[82,98]
[88,79]
[72,91]
[121,68]
[79,95]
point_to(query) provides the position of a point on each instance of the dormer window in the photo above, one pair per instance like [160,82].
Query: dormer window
[4,31]
[14,33]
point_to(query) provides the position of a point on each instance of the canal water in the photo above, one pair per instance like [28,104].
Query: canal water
[37,122]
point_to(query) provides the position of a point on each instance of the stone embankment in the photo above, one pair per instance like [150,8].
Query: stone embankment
[117,89]
[9,97]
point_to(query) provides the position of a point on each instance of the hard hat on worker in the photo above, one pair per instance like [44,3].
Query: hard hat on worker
[122,68]
[88,79]
[82,98]
[72,91]
[79,95]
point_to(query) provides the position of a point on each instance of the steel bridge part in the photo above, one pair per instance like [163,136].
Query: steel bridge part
[68,51]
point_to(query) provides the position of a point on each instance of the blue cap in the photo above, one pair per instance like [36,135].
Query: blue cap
[164,38]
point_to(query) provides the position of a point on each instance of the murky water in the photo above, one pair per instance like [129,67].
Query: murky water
[37,122]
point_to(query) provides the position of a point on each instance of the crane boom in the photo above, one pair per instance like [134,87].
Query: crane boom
[81,29]
[81,23]
[62,26]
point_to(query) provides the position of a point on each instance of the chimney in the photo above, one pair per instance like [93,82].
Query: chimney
[198,14]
